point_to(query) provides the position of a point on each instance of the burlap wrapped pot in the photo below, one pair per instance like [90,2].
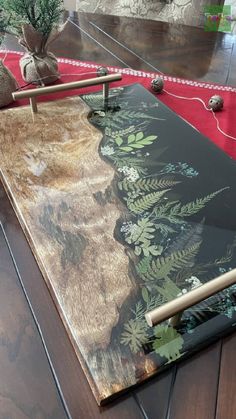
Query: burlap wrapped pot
[38,66]
[8,85]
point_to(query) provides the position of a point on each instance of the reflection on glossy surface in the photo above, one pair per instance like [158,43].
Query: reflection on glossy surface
[182,51]
[27,386]
[120,222]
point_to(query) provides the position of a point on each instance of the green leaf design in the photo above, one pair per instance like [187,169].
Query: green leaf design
[136,141]
[135,334]
[136,331]
[141,231]
[148,249]
[94,101]
[174,211]
[162,267]
[146,184]
[145,203]
[143,266]
[148,140]
[145,295]
[138,311]
[168,342]
[130,161]
[120,133]
[169,290]
[131,138]
[126,148]
[139,136]
[141,235]
[193,207]
[118,140]
[165,229]
[187,238]
[115,119]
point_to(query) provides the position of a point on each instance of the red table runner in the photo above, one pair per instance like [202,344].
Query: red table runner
[191,111]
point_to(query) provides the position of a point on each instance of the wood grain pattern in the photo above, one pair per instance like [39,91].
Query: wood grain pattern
[27,387]
[74,385]
[43,183]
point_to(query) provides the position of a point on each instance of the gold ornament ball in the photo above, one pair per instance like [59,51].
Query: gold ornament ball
[157,85]
[216,103]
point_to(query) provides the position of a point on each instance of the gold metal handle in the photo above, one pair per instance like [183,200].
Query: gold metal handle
[33,93]
[176,307]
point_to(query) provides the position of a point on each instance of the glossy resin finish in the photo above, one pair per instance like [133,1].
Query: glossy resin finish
[123,212]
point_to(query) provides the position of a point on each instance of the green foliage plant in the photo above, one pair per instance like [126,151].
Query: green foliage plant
[42,15]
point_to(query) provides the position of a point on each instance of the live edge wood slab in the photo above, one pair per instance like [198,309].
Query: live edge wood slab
[77,210]
[45,163]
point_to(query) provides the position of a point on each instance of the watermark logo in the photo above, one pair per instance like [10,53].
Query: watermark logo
[217,18]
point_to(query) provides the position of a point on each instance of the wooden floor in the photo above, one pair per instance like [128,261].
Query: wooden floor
[40,377]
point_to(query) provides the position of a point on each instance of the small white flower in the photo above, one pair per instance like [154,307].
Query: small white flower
[100,113]
[133,175]
[124,169]
[107,150]
[128,227]
[130,172]
[184,291]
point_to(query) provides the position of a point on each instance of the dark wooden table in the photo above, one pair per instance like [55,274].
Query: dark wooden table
[40,376]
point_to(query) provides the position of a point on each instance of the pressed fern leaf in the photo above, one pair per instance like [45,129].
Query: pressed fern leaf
[169,290]
[187,238]
[146,185]
[193,207]
[127,115]
[94,101]
[163,266]
[123,160]
[146,202]
[112,119]
[143,266]
[164,228]
[163,212]
[174,211]
[139,311]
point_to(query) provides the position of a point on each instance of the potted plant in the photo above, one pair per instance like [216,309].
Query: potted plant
[35,23]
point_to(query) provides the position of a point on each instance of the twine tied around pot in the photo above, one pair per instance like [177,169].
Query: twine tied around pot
[38,65]
[8,85]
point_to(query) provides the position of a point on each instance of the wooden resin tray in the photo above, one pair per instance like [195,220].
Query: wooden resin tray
[124,210]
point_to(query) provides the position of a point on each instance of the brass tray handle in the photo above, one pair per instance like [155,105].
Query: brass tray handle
[33,93]
[174,309]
